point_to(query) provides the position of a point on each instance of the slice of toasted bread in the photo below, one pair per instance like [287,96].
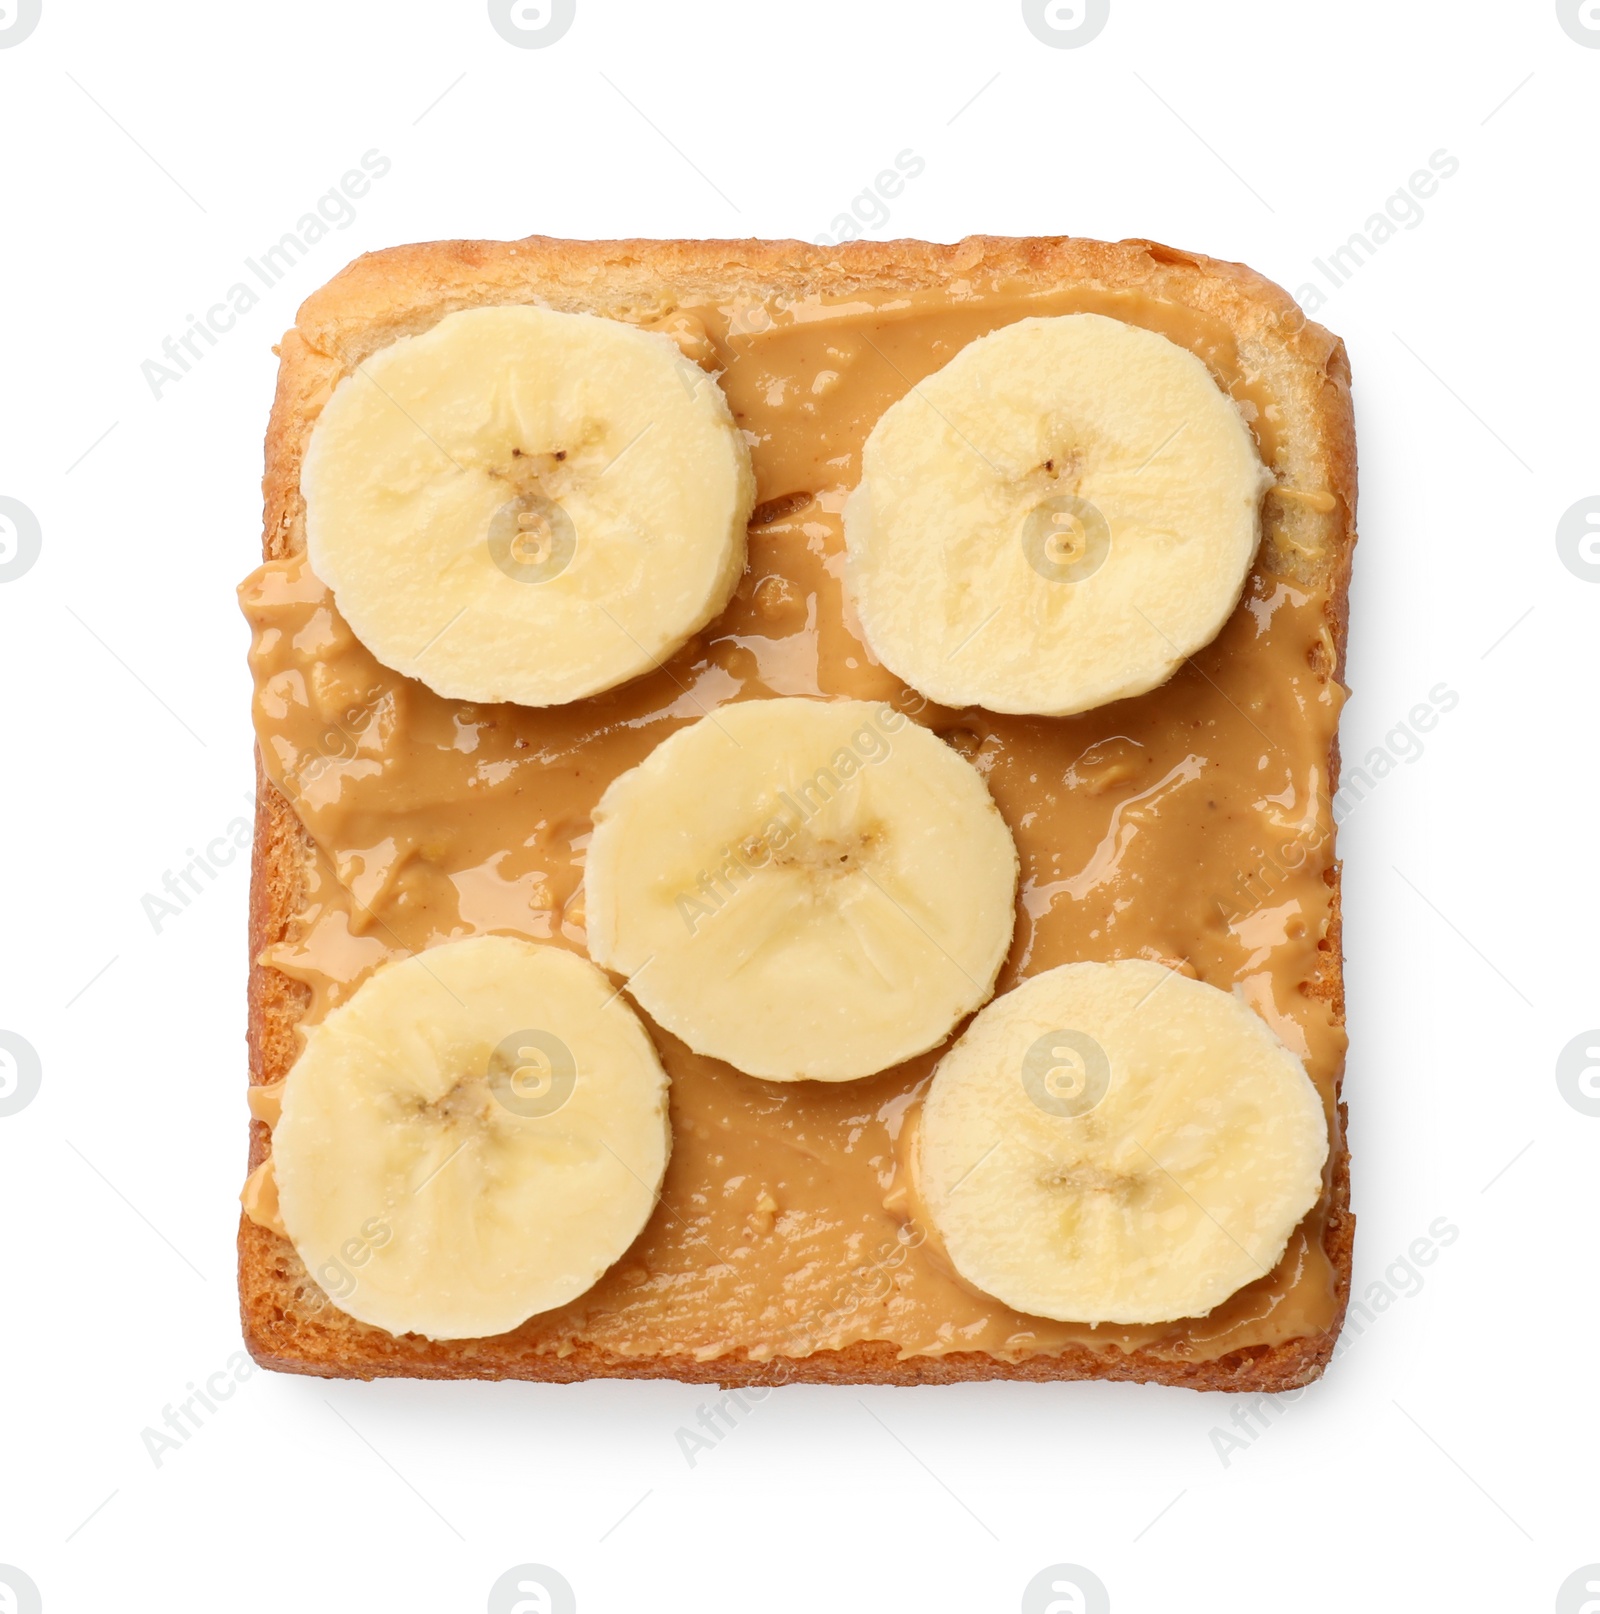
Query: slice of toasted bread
[288,1324]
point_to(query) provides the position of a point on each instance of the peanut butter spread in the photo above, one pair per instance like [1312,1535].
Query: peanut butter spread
[1190,825]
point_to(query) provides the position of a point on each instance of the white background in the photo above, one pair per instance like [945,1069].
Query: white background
[1447,1459]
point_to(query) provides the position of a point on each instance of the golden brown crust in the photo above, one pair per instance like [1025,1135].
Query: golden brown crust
[288,1325]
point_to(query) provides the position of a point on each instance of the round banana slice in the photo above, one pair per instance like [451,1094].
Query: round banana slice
[1117,1143]
[523,505]
[1054,520]
[805,889]
[473,1137]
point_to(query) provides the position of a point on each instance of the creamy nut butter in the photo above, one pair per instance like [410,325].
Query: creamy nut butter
[1190,825]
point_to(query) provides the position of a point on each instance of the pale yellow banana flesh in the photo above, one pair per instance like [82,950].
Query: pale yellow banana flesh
[525,505]
[472,1138]
[1117,1143]
[803,888]
[1054,520]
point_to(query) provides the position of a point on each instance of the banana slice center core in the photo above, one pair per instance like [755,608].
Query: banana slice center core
[829,857]
[1081,1178]
[1182,1183]
[1063,533]
[531,536]
[470,1103]
[1107,521]
[806,889]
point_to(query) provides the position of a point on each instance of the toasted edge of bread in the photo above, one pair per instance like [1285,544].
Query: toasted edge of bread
[288,1324]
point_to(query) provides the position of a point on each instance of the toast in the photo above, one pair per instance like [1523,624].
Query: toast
[289,1323]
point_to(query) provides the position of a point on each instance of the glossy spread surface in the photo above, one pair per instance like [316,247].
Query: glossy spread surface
[1189,825]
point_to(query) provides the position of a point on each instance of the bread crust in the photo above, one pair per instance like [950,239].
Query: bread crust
[397,292]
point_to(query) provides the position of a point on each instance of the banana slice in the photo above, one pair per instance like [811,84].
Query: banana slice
[474,1137]
[803,888]
[523,505]
[1054,520]
[1116,1143]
